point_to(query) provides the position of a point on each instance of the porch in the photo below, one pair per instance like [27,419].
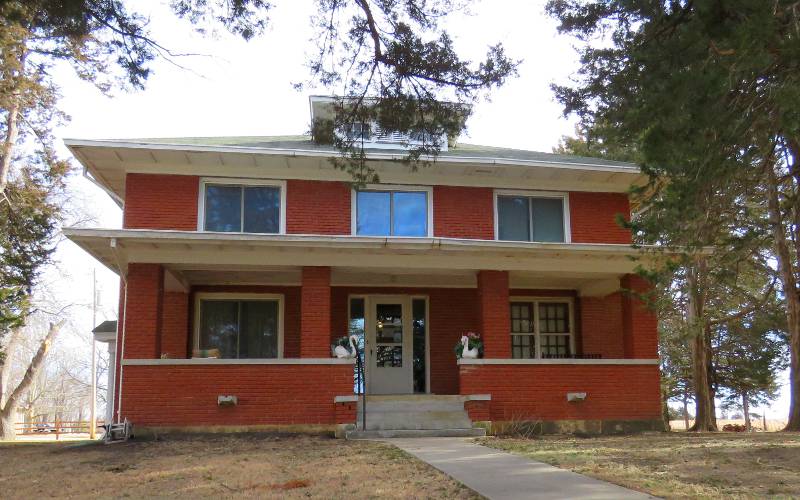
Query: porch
[410,301]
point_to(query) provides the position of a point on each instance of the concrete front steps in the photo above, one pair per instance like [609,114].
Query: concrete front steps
[416,415]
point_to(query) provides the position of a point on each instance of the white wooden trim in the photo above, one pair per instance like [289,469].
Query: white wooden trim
[387,188]
[533,194]
[537,334]
[201,211]
[567,361]
[237,296]
[252,361]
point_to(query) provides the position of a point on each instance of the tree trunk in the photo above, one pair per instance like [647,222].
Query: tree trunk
[746,408]
[705,419]
[9,410]
[764,420]
[685,413]
[786,269]
[12,125]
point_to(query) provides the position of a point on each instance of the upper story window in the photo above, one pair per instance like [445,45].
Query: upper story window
[392,212]
[242,206]
[541,328]
[531,217]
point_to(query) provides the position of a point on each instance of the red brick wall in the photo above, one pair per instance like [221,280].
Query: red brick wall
[463,212]
[161,202]
[175,325]
[601,321]
[291,310]
[593,216]
[317,207]
[143,315]
[315,312]
[618,392]
[640,325]
[174,395]
[494,313]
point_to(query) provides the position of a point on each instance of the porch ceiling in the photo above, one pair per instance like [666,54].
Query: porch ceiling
[213,258]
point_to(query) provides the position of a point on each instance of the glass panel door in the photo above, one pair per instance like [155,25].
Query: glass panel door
[389,346]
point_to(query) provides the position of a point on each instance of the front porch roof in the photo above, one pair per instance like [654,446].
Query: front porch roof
[208,258]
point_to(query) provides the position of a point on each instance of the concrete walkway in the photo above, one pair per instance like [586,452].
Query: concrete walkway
[499,475]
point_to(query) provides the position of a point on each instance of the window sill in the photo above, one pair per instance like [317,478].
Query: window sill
[215,361]
[566,361]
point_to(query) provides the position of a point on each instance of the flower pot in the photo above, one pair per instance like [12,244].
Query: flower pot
[470,354]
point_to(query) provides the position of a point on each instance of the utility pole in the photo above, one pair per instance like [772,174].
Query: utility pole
[93,417]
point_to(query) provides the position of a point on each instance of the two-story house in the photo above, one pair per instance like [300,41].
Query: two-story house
[256,250]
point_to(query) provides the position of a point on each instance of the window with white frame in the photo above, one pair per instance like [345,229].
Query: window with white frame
[242,207]
[522,217]
[541,328]
[400,212]
[240,327]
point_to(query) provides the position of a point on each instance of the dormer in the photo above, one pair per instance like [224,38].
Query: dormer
[368,133]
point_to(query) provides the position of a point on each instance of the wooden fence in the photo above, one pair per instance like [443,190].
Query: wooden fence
[58,427]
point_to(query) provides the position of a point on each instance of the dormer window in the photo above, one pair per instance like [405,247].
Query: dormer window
[373,136]
[242,206]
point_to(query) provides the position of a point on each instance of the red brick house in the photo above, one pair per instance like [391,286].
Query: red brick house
[258,248]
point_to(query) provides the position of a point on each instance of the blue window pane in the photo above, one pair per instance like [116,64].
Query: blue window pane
[373,213]
[513,216]
[548,219]
[223,206]
[262,209]
[410,212]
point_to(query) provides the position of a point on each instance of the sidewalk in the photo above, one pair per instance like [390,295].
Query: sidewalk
[499,475]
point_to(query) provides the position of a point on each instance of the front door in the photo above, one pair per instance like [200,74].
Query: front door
[389,346]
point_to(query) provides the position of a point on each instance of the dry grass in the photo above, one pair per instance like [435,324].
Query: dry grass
[677,465]
[249,465]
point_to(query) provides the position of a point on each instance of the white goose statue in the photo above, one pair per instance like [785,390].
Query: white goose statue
[467,352]
[342,352]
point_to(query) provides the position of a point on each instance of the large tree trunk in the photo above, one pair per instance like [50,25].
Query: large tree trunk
[746,409]
[786,269]
[9,410]
[705,419]
[685,413]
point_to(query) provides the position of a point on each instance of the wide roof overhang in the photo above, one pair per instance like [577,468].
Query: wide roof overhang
[108,162]
[223,258]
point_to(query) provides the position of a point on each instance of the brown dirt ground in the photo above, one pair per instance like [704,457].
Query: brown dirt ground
[231,465]
[677,465]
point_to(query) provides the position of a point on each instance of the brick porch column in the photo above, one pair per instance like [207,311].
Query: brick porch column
[143,311]
[639,323]
[315,312]
[494,313]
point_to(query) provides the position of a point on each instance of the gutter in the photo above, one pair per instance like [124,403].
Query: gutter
[493,161]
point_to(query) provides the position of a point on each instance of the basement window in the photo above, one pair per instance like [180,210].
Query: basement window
[541,328]
[242,207]
[537,218]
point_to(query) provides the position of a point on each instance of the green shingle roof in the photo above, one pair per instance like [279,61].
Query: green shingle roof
[304,142]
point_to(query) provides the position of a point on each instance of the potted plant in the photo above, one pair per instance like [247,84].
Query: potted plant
[469,346]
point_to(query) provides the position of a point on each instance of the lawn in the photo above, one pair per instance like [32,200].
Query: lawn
[221,465]
[677,465]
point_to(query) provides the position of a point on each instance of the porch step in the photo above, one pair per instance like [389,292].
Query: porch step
[422,412]
[407,433]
